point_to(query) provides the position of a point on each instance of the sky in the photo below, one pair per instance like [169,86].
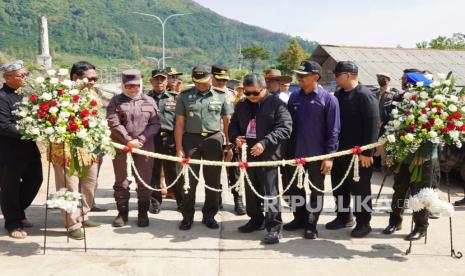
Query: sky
[387,23]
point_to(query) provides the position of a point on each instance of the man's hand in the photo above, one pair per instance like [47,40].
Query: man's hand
[240,141]
[135,144]
[257,150]
[180,153]
[326,166]
[228,155]
[366,161]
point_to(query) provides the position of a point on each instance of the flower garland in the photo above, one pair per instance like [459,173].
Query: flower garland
[428,199]
[65,200]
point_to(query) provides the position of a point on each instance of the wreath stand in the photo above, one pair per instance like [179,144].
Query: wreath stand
[48,192]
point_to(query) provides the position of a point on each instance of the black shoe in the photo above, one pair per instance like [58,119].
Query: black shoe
[460,203]
[186,224]
[415,235]
[210,223]
[391,228]
[251,226]
[143,219]
[295,224]
[272,237]
[310,232]
[154,207]
[338,223]
[361,230]
[239,208]
[96,208]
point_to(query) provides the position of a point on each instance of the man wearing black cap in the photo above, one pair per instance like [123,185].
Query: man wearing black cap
[316,127]
[164,140]
[199,112]
[20,163]
[220,78]
[359,127]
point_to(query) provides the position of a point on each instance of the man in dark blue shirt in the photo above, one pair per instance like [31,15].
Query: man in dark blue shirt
[315,116]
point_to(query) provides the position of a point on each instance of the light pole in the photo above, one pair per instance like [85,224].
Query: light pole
[157,60]
[162,22]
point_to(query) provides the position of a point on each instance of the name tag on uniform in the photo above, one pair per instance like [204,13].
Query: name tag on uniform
[170,105]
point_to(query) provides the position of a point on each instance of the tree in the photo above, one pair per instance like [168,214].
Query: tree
[457,41]
[255,53]
[291,57]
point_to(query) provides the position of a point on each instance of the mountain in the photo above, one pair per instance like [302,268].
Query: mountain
[107,32]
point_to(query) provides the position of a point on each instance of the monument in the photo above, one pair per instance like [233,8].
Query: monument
[44,59]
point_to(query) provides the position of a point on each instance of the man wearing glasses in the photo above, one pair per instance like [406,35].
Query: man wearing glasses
[316,127]
[263,122]
[359,127]
[20,163]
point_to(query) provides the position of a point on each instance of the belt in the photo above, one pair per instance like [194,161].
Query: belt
[204,134]
[165,133]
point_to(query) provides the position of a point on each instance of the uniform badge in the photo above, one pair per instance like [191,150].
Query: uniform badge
[191,114]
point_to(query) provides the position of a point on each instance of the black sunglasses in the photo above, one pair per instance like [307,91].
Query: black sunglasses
[94,79]
[255,93]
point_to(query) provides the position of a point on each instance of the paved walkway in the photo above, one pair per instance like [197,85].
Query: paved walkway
[162,249]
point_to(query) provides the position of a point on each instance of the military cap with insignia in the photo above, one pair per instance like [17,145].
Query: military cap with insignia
[159,72]
[220,72]
[201,74]
[170,71]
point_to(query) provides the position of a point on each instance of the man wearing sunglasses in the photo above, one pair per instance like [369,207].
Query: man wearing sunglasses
[263,122]
[359,127]
[20,160]
[316,127]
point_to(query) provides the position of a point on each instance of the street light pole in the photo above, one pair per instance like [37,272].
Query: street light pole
[162,22]
[157,60]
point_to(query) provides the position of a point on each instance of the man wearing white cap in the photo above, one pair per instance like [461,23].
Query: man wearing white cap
[20,164]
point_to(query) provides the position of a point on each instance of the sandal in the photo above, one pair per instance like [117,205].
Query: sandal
[18,233]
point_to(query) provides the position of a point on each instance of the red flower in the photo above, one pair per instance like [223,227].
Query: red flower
[445,130]
[93,103]
[407,112]
[85,113]
[462,128]
[94,112]
[401,132]
[41,114]
[76,99]
[33,98]
[411,127]
[53,102]
[439,109]
[451,126]
[457,116]
[414,97]
[85,122]
[430,103]
[44,107]
[431,121]
[449,118]
[53,120]
[424,111]
[426,126]
[356,150]
[60,91]
[72,118]
[73,126]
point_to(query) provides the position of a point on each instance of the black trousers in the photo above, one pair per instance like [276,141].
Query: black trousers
[303,210]
[402,186]
[165,145]
[20,182]
[265,181]
[233,173]
[360,190]
[207,148]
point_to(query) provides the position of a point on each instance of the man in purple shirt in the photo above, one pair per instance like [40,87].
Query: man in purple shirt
[315,115]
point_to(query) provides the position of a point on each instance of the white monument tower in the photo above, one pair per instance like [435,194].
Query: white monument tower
[44,59]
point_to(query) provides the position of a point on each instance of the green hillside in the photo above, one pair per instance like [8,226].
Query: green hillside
[107,32]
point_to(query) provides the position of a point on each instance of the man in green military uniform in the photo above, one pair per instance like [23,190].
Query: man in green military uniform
[219,80]
[164,140]
[174,81]
[199,112]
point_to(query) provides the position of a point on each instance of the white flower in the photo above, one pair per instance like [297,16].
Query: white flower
[420,84]
[35,131]
[391,138]
[407,95]
[39,80]
[454,134]
[63,72]
[423,118]
[46,96]
[49,130]
[433,134]
[92,124]
[61,130]
[435,84]
[64,115]
[409,137]
[424,95]
[429,76]
[51,72]
[22,113]
[396,124]
[452,108]
[442,76]
[73,92]
[453,98]
[434,110]
[411,117]
[103,123]
[440,98]
[53,109]
[447,82]
[28,120]
[459,123]
[421,105]
[81,134]
[445,90]
[67,83]
[64,104]
[438,122]
[395,112]
[54,80]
